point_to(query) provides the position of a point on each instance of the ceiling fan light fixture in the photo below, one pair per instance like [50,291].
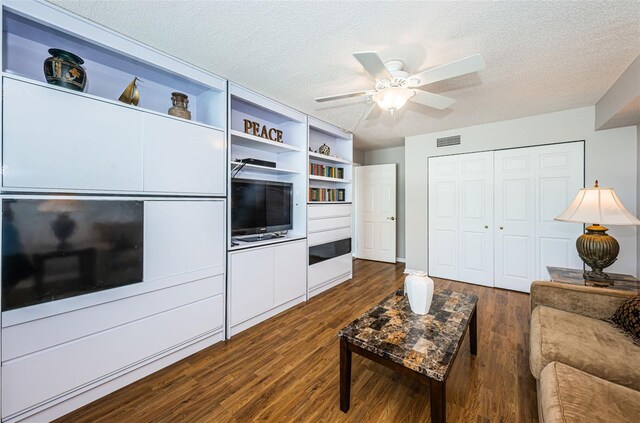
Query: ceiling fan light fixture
[393,99]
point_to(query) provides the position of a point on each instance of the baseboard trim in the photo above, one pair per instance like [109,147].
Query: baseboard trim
[401,260]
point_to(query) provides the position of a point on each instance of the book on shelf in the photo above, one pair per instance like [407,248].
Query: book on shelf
[326,194]
[327,171]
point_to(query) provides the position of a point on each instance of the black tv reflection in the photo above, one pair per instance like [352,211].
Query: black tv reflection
[55,249]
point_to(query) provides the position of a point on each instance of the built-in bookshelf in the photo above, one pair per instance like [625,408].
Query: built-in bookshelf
[275,136]
[330,163]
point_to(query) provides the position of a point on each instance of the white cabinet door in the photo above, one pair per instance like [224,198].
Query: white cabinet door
[290,271]
[54,139]
[251,287]
[181,157]
[182,237]
[461,217]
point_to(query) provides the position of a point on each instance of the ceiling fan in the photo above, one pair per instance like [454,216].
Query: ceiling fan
[394,87]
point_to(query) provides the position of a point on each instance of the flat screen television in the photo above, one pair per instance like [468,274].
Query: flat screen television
[260,206]
[60,248]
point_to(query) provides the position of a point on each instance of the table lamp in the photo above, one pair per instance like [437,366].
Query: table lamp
[595,247]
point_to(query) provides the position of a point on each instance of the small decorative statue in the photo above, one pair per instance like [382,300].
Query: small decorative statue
[180,106]
[63,69]
[131,95]
[324,149]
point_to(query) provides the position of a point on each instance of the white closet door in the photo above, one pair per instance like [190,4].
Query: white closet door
[560,176]
[514,218]
[475,240]
[532,186]
[461,217]
[443,217]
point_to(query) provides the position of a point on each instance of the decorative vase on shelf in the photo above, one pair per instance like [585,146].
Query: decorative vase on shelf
[180,106]
[63,69]
[419,288]
[324,149]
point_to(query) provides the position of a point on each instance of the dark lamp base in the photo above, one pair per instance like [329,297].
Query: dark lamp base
[598,250]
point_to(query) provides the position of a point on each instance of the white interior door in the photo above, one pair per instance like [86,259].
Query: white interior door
[533,185]
[461,217]
[375,206]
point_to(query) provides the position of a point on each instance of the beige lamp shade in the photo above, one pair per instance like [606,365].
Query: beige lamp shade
[599,206]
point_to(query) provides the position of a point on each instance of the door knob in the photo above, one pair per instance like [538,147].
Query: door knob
[501,228]
[391,218]
[486,226]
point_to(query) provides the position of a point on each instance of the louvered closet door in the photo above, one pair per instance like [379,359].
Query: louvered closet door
[461,217]
[532,186]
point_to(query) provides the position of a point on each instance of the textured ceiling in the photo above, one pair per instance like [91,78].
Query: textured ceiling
[541,56]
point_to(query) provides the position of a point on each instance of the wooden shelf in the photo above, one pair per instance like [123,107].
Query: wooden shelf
[251,141]
[328,159]
[327,179]
[262,169]
[105,100]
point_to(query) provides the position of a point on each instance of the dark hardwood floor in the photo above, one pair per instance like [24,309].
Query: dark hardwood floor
[286,369]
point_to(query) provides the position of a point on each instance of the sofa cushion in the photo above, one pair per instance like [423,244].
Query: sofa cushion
[594,346]
[567,395]
[627,316]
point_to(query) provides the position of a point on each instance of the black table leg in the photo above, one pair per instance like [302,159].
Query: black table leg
[438,401]
[473,332]
[345,375]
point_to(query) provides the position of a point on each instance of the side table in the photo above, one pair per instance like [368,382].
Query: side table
[574,276]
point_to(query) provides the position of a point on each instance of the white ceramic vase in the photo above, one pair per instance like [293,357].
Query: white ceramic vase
[419,288]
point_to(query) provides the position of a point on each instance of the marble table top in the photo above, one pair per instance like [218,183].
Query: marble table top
[575,277]
[427,344]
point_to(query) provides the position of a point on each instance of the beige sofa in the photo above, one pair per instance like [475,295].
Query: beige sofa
[587,370]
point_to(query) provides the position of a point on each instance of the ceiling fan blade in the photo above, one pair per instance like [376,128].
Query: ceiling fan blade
[450,70]
[435,101]
[372,63]
[345,95]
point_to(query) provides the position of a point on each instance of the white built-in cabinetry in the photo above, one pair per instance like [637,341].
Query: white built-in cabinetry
[269,276]
[329,226]
[265,280]
[197,286]
[491,214]
[62,144]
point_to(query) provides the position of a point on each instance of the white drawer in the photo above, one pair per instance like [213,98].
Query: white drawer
[39,377]
[317,238]
[319,225]
[40,334]
[329,270]
[322,211]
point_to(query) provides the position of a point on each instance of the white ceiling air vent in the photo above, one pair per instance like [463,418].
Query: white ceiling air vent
[449,141]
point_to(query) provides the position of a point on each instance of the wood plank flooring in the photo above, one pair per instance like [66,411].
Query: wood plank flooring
[286,369]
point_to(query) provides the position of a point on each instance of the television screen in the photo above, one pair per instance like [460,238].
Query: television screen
[55,249]
[260,206]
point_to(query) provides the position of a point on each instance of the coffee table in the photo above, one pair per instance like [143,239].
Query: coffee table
[422,347]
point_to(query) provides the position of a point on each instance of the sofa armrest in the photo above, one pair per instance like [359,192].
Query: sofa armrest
[599,303]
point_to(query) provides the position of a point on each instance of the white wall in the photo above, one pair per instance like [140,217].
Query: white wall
[611,157]
[610,109]
[388,156]
[358,156]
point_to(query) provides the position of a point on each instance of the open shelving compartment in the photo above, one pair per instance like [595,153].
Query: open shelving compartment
[289,155]
[323,170]
[109,70]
